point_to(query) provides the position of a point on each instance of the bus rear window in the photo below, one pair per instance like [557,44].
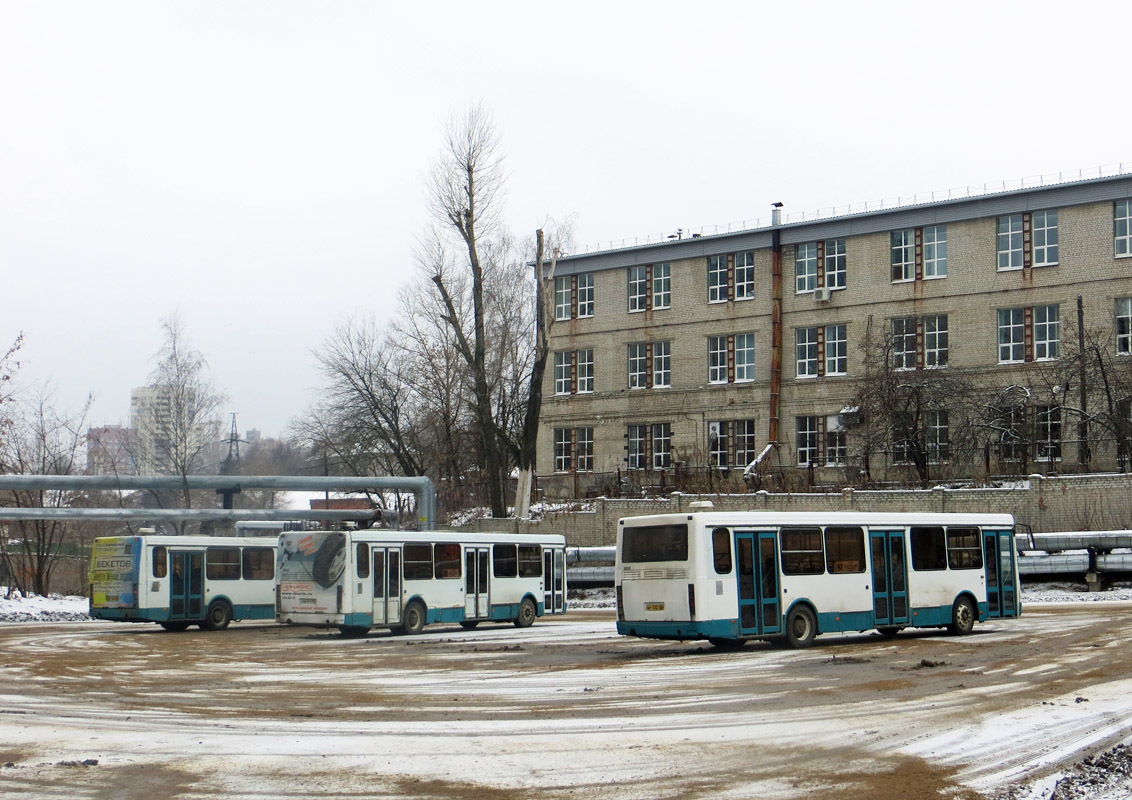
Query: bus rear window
[259,563]
[644,543]
[223,563]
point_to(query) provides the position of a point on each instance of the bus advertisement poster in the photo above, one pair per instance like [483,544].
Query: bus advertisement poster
[309,570]
[114,572]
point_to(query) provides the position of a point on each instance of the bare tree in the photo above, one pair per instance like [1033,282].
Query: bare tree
[42,441]
[180,422]
[8,367]
[465,193]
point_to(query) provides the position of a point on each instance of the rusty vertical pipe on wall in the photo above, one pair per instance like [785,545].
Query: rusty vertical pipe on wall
[775,322]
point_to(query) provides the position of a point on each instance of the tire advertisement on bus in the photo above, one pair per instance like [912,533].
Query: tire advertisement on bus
[309,570]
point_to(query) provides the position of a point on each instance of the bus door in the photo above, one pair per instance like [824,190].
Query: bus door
[759,609]
[554,579]
[386,585]
[476,597]
[186,584]
[890,578]
[998,561]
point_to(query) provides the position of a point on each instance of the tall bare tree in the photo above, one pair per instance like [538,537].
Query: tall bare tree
[8,367]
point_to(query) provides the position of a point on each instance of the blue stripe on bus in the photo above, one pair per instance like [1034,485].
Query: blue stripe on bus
[721,628]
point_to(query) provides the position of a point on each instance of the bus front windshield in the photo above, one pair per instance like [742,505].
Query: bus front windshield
[647,543]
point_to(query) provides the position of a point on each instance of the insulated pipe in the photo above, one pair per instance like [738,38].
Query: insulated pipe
[421,486]
[192,514]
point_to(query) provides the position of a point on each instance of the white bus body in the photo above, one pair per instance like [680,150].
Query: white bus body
[732,576]
[357,580]
[178,581]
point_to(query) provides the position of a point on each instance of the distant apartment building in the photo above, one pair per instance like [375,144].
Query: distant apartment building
[717,352]
[110,450]
[162,439]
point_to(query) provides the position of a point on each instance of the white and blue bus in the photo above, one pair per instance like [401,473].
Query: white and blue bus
[358,580]
[178,581]
[730,577]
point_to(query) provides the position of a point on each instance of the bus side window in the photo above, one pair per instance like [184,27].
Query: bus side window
[844,549]
[418,562]
[160,562]
[504,561]
[963,548]
[802,551]
[447,560]
[928,549]
[721,550]
[259,563]
[530,561]
[222,563]
[363,560]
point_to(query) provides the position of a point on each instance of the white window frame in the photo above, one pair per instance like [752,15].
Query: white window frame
[1010,250]
[1043,235]
[935,341]
[584,449]
[903,255]
[836,350]
[836,446]
[636,451]
[1122,228]
[1047,332]
[717,444]
[743,435]
[836,275]
[806,433]
[662,285]
[638,366]
[585,371]
[903,343]
[717,279]
[806,268]
[745,275]
[638,289]
[661,365]
[1048,429]
[585,295]
[563,300]
[562,372]
[1123,325]
[661,445]
[1011,335]
[938,437]
[563,449]
[806,352]
[744,357]
[935,252]
[717,359]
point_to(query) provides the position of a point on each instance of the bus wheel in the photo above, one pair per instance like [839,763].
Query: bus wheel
[413,620]
[727,644]
[353,631]
[468,624]
[218,616]
[174,625]
[527,613]
[801,627]
[889,630]
[963,616]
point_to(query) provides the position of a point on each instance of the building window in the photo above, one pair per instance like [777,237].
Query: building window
[836,451]
[731,443]
[649,445]
[935,251]
[573,449]
[806,352]
[1010,242]
[904,255]
[1124,326]
[806,440]
[836,350]
[1010,426]
[719,442]
[563,372]
[638,366]
[717,279]
[938,436]
[834,267]
[650,286]
[563,449]
[574,296]
[584,448]
[717,359]
[1047,333]
[744,357]
[661,364]
[1049,433]
[806,267]
[1045,237]
[637,441]
[935,341]
[904,343]
[638,288]
[1122,227]
[585,371]
[1011,336]
[661,445]
[745,275]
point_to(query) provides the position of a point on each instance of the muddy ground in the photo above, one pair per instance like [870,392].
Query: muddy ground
[564,709]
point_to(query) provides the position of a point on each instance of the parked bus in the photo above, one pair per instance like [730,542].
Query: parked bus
[178,581]
[358,580]
[732,577]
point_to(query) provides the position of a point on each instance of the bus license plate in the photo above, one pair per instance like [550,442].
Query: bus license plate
[654,606]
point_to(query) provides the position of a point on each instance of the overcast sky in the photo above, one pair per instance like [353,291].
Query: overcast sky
[259,165]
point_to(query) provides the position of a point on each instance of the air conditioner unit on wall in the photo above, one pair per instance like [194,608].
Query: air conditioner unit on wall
[822,294]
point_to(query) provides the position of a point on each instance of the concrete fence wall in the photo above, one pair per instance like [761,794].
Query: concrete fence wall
[1047,504]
